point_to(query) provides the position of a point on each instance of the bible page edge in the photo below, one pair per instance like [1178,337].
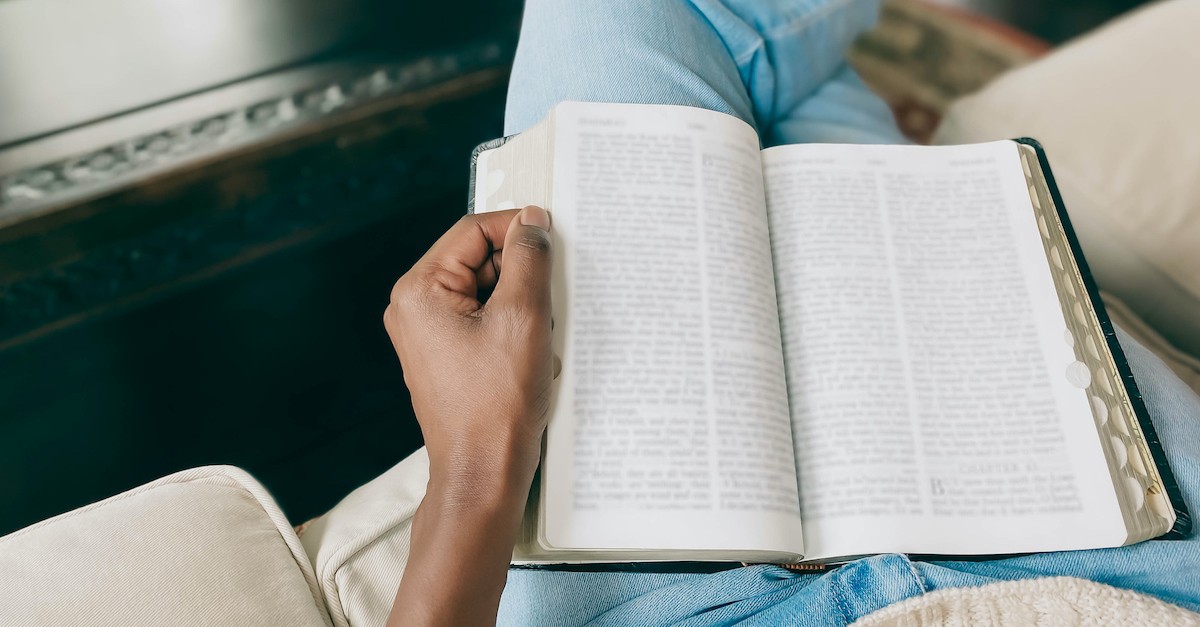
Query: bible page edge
[1137,481]
[507,173]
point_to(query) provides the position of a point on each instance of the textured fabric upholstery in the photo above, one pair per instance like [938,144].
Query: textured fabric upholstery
[206,546]
[1051,601]
[360,547]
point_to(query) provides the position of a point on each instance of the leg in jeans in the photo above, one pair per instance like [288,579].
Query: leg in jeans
[780,66]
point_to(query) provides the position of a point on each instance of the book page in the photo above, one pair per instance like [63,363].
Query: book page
[670,426]
[927,367]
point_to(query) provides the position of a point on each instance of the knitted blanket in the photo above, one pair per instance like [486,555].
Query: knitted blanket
[1049,601]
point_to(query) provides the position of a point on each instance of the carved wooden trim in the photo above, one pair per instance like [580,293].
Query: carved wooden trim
[24,191]
[397,150]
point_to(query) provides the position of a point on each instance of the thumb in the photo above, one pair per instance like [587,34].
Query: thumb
[526,261]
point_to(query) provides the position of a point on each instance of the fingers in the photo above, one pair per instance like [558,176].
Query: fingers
[490,271]
[472,239]
[525,275]
[466,248]
[471,242]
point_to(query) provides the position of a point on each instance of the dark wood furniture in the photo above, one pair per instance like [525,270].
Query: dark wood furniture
[201,280]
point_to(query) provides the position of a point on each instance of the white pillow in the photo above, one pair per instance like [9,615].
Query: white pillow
[360,547]
[206,546]
[1117,112]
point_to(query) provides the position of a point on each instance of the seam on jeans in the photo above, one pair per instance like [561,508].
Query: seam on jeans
[805,20]
[738,57]
[838,600]
[800,23]
[912,568]
[749,54]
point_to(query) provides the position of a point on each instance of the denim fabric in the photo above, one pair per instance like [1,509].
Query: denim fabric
[780,65]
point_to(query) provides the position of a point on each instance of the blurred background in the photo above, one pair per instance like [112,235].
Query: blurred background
[1053,21]
[204,203]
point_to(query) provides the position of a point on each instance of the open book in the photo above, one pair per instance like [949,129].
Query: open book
[814,352]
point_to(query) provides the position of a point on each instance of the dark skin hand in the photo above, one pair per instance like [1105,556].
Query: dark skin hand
[480,372]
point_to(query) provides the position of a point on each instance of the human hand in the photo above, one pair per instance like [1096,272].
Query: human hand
[479,370]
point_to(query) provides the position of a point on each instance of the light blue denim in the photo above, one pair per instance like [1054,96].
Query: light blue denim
[780,65]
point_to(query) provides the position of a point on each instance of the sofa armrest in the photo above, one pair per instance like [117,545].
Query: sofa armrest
[360,547]
[206,546]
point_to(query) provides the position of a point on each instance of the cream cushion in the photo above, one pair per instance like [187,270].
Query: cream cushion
[206,546]
[360,547]
[1118,112]
[1047,602]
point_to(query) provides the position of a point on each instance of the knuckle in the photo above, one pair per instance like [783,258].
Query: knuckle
[469,220]
[392,319]
[393,326]
[407,293]
[401,288]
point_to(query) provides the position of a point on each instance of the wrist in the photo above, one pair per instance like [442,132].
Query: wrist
[495,478]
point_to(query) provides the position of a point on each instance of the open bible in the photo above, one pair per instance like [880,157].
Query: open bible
[813,352]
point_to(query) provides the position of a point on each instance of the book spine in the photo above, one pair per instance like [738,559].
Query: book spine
[474,166]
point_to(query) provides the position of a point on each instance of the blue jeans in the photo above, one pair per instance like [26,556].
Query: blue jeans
[780,65]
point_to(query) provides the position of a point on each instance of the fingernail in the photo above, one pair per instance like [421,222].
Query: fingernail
[535,216]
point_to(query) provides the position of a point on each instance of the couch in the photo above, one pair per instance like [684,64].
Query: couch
[210,546]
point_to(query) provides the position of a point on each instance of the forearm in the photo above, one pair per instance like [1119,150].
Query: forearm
[480,375]
[462,540]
